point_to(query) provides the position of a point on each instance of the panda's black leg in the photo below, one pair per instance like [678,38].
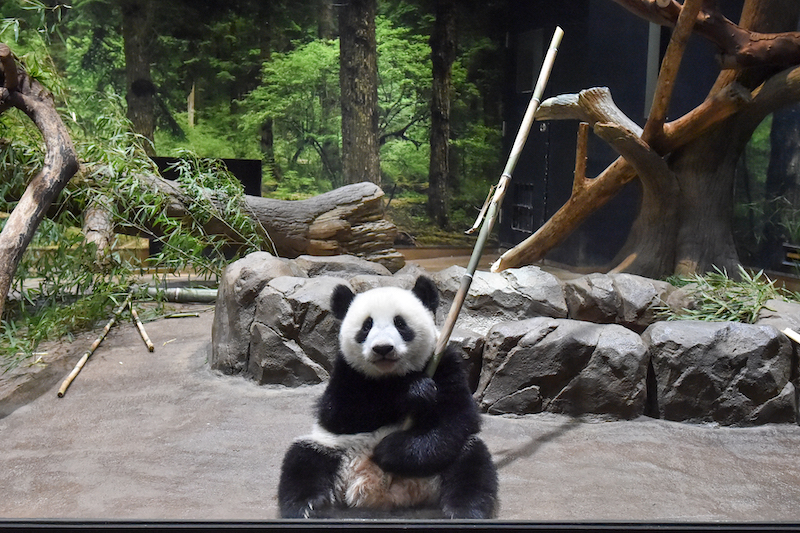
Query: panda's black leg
[469,486]
[307,479]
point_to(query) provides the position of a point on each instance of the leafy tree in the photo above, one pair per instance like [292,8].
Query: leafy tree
[293,87]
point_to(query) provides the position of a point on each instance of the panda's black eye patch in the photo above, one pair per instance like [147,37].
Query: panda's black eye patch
[402,327]
[361,336]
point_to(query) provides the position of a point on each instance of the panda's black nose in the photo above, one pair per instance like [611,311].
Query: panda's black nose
[383,349]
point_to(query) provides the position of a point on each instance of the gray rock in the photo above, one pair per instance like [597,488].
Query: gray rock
[780,314]
[411,271]
[470,344]
[592,298]
[682,299]
[241,283]
[527,400]
[365,282]
[497,297]
[641,299]
[724,372]
[500,340]
[344,266]
[286,363]
[294,312]
[625,299]
[576,367]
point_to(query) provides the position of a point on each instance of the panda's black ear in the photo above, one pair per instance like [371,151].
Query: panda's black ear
[425,289]
[340,300]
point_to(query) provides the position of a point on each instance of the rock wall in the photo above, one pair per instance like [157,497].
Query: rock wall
[531,342]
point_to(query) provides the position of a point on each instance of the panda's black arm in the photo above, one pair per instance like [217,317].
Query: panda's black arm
[439,432]
[353,403]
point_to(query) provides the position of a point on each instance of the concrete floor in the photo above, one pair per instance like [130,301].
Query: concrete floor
[144,436]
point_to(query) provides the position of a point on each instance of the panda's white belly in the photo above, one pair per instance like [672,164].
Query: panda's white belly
[362,483]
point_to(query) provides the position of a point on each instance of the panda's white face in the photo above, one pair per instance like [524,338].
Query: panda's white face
[387,331]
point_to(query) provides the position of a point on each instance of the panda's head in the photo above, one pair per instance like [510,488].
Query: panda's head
[388,330]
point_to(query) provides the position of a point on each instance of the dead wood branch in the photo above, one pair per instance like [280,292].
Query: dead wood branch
[740,47]
[596,107]
[60,164]
[654,128]
[579,181]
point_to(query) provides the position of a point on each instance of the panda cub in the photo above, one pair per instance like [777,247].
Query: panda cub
[359,454]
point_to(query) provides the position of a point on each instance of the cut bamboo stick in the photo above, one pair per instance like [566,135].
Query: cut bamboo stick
[792,334]
[66,383]
[142,332]
[182,315]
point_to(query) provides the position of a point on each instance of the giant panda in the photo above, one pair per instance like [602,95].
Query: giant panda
[360,454]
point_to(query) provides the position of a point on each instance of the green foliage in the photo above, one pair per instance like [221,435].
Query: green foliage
[404,82]
[217,137]
[405,164]
[719,298]
[300,94]
[244,74]
[62,285]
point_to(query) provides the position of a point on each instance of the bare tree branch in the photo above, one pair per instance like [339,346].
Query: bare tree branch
[60,164]
[740,48]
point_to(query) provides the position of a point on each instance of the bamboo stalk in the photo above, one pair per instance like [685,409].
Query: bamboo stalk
[142,332]
[182,315]
[183,295]
[497,200]
[792,334]
[66,383]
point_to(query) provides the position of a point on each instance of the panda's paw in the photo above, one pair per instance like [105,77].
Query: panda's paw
[391,451]
[422,393]
[312,508]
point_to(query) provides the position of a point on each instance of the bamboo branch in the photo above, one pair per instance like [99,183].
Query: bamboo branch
[141,329]
[792,334]
[66,383]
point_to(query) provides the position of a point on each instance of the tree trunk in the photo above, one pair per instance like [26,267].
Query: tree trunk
[702,222]
[329,103]
[60,164]
[443,53]
[358,78]
[267,133]
[137,24]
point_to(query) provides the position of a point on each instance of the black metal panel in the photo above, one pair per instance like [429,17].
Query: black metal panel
[247,171]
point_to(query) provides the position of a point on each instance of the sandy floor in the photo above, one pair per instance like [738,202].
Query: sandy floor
[158,435]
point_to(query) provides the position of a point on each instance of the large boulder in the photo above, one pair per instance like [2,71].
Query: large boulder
[625,299]
[563,366]
[470,345]
[780,314]
[513,294]
[294,335]
[343,266]
[239,287]
[724,372]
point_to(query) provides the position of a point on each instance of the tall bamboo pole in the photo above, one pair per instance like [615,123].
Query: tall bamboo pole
[497,199]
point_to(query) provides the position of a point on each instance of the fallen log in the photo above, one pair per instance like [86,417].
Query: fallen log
[348,220]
